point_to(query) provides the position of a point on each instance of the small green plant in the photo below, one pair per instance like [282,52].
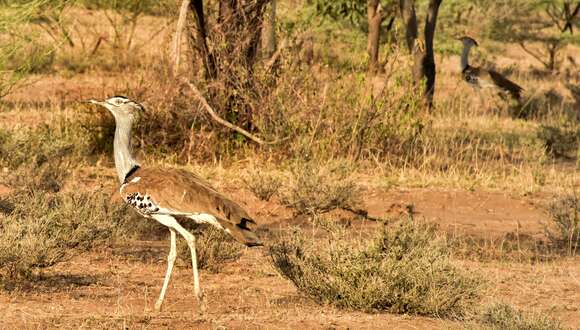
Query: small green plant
[505,317]
[316,189]
[214,247]
[39,229]
[565,214]
[404,269]
[263,184]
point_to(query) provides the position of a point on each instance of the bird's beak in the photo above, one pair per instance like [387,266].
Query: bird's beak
[91,101]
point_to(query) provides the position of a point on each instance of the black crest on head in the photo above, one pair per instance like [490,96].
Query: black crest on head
[121,96]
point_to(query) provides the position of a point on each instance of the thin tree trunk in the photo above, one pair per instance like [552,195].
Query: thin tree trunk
[424,57]
[407,8]
[208,58]
[375,18]
[270,31]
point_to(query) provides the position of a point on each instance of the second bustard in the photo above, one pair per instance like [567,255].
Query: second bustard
[484,78]
[170,194]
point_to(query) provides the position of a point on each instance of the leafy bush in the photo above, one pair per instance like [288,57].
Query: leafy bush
[505,317]
[315,189]
[39,229]
[565,215]
[400,270]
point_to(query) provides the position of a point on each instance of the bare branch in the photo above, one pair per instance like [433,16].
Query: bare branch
[226,123]
[177,37]
[534,55]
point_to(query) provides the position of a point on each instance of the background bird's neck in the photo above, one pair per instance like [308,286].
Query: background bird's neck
[124,160]
[464,57]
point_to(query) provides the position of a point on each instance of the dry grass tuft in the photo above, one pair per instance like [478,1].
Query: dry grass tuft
[264,185]
[404,269]
[565,214]
[315,188]
[39,229]
[214,247]
[505,317]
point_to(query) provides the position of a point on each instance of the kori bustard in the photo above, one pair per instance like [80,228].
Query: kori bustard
[485,78]
[167,195]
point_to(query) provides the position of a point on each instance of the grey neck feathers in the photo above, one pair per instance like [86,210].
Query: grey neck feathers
[124,160]
[464,56]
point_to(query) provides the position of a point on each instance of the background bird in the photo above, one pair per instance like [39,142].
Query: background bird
[167,195]
[485,78]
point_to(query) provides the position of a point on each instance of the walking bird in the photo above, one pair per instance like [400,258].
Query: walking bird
[484,78]
[169,195]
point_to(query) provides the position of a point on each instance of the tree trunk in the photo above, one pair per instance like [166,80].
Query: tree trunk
[229,52]
[270,31]
[209,63]
[375,18]
[424,57]
[407,8]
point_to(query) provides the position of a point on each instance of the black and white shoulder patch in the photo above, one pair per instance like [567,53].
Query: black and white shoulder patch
[142,203]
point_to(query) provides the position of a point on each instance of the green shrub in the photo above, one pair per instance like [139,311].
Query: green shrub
[404,269]
[505,317]
[39,229]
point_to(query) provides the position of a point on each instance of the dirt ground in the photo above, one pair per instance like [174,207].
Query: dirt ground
[117,287]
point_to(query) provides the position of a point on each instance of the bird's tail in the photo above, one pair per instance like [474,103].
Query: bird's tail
[241,232]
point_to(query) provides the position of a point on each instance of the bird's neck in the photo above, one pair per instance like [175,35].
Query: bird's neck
[124,161]
[465,57]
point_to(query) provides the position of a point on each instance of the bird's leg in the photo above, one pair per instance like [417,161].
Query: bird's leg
[190,239]
[196,288]
[170,261]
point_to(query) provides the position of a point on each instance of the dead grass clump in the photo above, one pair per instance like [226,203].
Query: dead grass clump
[38,158]
[38,229]
[505,317]
[315,189]
[404,269]
[565,214]
[214,247]
[263,184]
[511,247]
[560,141]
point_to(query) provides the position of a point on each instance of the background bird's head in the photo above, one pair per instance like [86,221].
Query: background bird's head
[468,41]
[121,107]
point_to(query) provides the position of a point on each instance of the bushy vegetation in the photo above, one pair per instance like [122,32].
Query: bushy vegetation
[505,317]
[316,188]
[39,229]
[263,184]
[401,269]
[565,216]
[214,247]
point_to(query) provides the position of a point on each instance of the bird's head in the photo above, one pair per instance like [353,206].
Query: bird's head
[121,107]
[468,41]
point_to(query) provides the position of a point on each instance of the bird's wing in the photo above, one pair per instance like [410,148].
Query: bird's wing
[502,82]
[181,193]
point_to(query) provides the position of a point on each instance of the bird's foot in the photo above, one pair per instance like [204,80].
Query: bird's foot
[158,306]
[201,302]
